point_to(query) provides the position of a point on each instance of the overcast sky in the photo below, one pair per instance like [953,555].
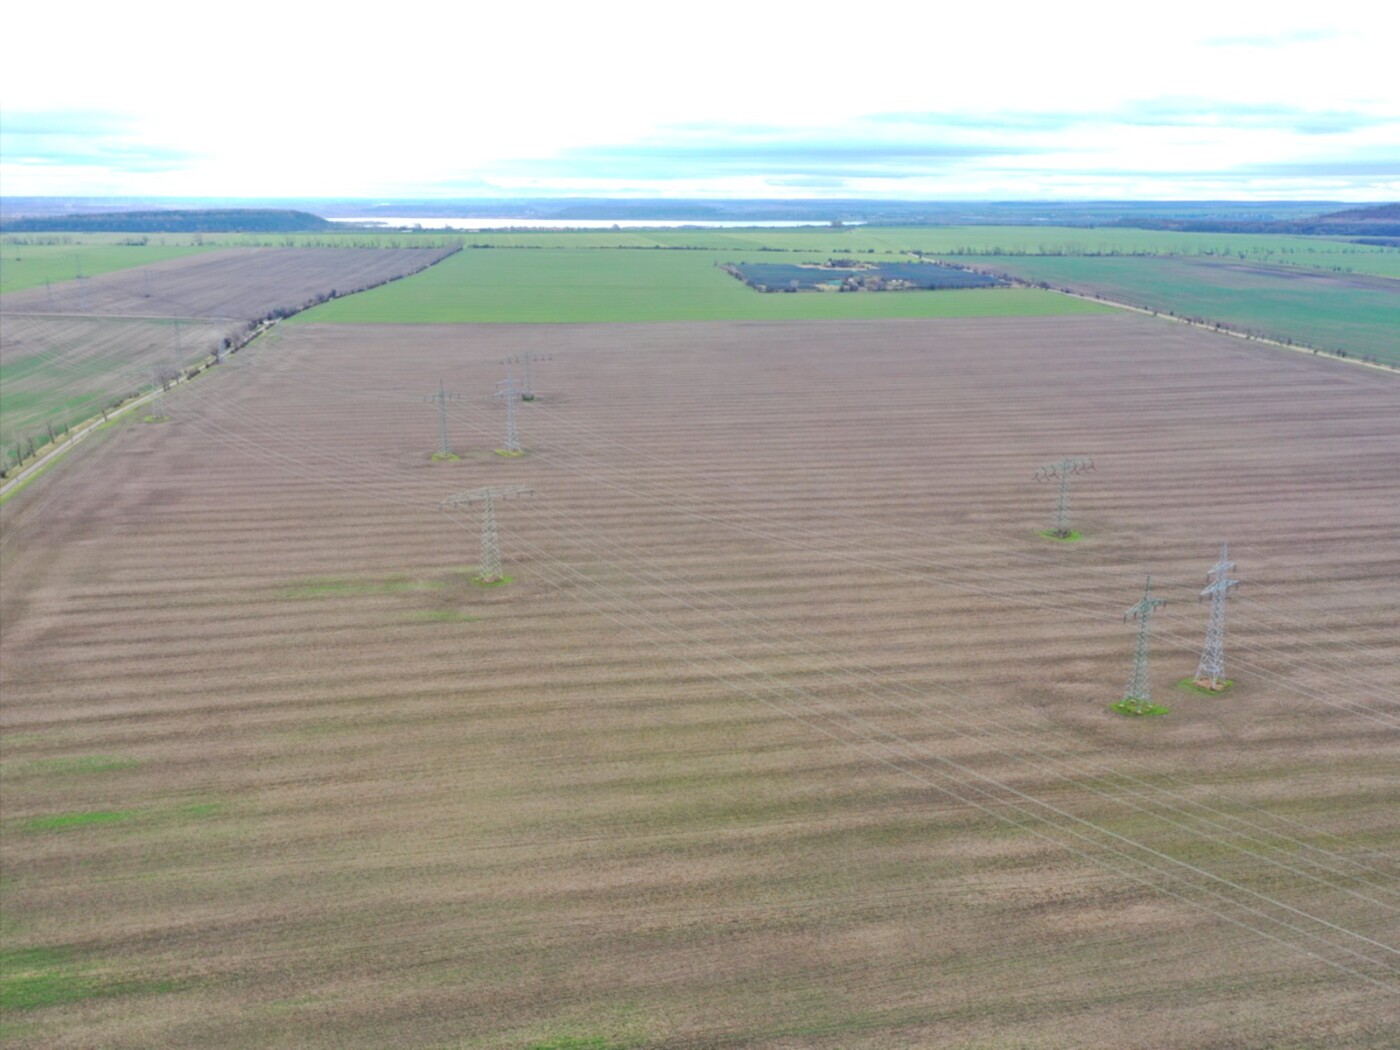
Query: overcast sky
[1000,100]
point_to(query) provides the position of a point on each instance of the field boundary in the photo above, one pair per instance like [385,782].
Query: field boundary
[1219,327]
[52,453]
[48,453]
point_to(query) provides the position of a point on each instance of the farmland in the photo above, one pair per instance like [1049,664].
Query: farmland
[600,285]
[1265,283]
[1354,314]
[790,732]
[25,265]
[1320,253]
[69,349]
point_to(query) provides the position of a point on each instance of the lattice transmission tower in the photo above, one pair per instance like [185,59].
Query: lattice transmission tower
[490,569]
[442,397]
[526,361]
[1065,469]
[508,390]
[1210,674]
[162,376]
[1138,697]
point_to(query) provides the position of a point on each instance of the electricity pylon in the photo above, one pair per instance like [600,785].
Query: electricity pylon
[509,392]
[1138,698]
[490,541]
[442,397]
[1064,470]
[161,377]
[526,360]
[1212,666]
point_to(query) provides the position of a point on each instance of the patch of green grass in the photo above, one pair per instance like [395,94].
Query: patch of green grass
[35,978]
[577,1042]
[493,583]
[592,285]
[441,457]
[155,419]
[330,586]
[1051,534]
[31,978]
[1138,709]
[78,766]
[64,821]
[1190,686]
[510,453]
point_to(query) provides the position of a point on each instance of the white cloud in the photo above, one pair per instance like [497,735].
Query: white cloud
[297,99]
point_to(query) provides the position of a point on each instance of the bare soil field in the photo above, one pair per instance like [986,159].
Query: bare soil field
[67,349]
[237,283]
[790,730]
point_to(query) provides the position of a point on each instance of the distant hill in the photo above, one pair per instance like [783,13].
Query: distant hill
[1388,213]
[1378,220]
[199,220]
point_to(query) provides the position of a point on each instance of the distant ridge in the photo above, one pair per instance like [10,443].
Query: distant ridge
[199,220]
[1378,220]
[1375,213]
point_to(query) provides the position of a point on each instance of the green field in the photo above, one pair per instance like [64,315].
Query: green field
[583,285]
[1358,316]
[30,265]
[1337,256]
[1334,256]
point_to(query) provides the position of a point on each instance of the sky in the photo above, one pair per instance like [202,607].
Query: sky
[1000,101]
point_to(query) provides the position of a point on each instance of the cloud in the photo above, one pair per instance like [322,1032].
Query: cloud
[716,151]
[1206,112]
[84,139]
[811,182]
[1339,168]
[1282,38]
[1162,112]
[47,123]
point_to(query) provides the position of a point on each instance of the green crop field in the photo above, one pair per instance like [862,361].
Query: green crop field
[1360,316]
[1336,256]
[24,265]
[583,285]
[102,252]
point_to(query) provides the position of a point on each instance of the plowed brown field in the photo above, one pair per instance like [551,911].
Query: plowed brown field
[68,349]
[791,731]
[237,283]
